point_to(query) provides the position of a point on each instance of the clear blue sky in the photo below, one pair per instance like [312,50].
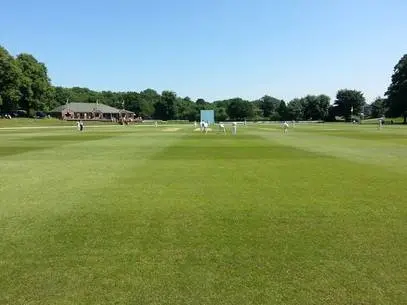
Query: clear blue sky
[213,49]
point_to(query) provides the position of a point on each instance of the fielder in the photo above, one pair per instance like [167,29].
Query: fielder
[81,125]
[380,124]
[285,127]
[234,128]
[156,124]
[205,127]
[222,128]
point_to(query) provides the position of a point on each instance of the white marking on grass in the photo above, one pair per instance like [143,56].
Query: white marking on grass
[268,129]
[171,129]
[198,129]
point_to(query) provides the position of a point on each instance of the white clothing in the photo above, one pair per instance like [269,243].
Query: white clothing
[285,126]
[234,128]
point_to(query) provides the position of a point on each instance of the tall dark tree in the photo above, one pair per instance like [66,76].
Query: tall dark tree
[82,95]
[201,102]
[282,111]
[349,102]
[131,101]
[295,109]
[316,106]
[170,98]
[10,80]
[378,107]
[397,91]
[62,95]
[35,86]
[239,109]
[115,99]
[148,98]
[331,117]
[220,108]
[269,105]
[186,109]
[367,110]
[323,106]
[221,104]
[220,114]
[166,108]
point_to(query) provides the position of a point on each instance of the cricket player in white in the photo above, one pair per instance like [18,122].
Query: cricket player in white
[194,124]
[234,128]
[156,124]
[285,127]
[222,127]
[380,123]
[205,127]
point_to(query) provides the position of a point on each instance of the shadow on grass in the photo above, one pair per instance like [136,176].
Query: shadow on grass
[37,143]
[252,152]
[78,137]
[361,135]
[15,150]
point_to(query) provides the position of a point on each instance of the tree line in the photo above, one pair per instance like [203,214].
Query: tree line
[25,85]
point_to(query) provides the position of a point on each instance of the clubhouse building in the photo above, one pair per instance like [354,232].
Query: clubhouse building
[93,112]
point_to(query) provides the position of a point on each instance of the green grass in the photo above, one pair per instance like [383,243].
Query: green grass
[144,215]
[398,120]
[28,122]
[20,122]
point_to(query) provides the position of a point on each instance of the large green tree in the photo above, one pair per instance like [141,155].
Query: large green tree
[295,109]
[348,103]
[239,109]
[283,111]
[10,80]
[316,107]
[220,108]
[397,91]
[379,108]
[166,108]
[331,117]
[220,114]
[201,102]
[186,109]
[149,98]
[131,101]
[62,95]
[269,105]
[35,87]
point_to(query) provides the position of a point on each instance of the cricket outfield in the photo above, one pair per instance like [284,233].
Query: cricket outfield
[166,215]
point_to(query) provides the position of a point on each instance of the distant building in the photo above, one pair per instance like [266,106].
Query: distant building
[91,111]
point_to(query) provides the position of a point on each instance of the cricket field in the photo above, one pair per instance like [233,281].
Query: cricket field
[168,215]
